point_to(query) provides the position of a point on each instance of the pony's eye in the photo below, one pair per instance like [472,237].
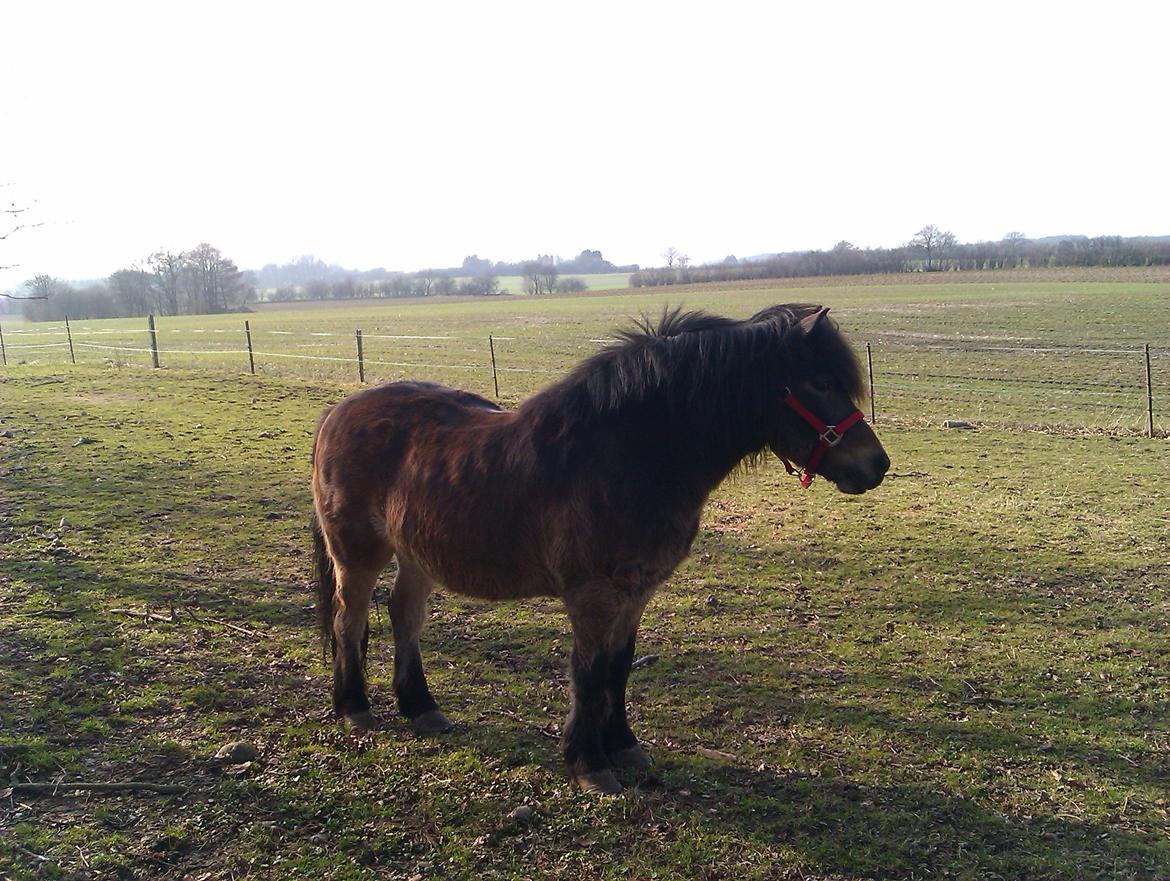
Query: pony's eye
[822,384]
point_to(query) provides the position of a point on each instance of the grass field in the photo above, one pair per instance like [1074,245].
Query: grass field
[1022,351]
[965,674]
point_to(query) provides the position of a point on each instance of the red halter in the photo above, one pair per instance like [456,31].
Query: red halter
[829,436]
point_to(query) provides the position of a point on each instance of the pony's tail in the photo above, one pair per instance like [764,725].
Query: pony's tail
[326,584]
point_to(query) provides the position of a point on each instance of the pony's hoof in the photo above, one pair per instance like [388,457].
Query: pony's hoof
[599,782]
[632,757]
[361,723]
[431,722]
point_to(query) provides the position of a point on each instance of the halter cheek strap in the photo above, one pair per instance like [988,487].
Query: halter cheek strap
[827,436]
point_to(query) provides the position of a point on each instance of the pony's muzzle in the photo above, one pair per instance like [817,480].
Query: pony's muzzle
[857,478]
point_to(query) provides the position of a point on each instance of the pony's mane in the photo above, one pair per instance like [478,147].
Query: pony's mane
[706,347]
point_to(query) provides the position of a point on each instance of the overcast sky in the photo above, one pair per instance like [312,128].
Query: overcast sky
[407,135]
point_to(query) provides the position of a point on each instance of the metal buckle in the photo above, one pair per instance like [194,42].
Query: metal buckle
[831,436]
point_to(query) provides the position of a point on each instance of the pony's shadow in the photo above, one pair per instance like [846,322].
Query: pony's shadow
[837,825]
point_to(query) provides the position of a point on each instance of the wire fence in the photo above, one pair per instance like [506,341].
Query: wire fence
[1115,389]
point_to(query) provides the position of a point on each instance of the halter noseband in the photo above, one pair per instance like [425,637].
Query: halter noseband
[828,436]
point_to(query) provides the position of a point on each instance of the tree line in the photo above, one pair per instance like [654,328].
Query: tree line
[308,278]
[426,283]
[537,277]
[203,280]
[299,274]
[198,281]
[930,250]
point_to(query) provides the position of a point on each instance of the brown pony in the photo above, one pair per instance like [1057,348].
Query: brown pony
[589,491]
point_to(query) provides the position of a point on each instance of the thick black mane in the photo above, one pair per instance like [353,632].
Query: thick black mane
[695,379]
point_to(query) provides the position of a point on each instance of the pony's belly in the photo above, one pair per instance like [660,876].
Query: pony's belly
[489,583]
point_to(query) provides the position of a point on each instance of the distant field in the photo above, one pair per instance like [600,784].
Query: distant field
[1023,352]
[964,674]
[514,284]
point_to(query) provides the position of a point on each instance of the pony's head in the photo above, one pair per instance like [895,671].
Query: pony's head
[816,423]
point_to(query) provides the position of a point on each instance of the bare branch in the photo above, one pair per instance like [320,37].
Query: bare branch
[20,226]
[67,788]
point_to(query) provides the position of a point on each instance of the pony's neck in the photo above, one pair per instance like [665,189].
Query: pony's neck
[708,418]
[715,445]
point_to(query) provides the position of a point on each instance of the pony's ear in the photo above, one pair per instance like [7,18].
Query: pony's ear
[809,323]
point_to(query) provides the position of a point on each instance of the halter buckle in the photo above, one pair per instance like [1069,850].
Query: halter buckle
[831,436]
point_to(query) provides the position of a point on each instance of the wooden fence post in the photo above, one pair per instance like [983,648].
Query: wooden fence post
[69,336]
[872,405]
[495,378]
[248,334]
[1149,395]
[3,353]
[153,340]
[361,358]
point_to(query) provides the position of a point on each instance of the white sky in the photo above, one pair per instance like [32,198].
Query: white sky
[412,134]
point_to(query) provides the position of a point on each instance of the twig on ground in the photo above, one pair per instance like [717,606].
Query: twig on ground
[145,615]
[222,623]
[716,754]
[35,856]
[175,618]
[992,701]
[66,787]
[541,729]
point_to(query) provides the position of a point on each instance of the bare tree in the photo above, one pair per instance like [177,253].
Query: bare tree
[530,271]
[670,255]
[946,244]
[548,276]
[132,290]
[42,287]
[213,282]
[933,241]
[425,282]
[540,275]
[168,278]
[1014,241]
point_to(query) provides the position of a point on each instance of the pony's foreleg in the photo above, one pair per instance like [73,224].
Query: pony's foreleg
[355,587]
[408,613]
[592,609]
[621,746]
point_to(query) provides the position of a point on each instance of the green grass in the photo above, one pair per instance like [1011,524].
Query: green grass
[963,674]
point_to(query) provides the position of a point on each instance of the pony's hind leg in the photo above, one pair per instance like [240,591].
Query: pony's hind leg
[408,613]
[355,587]
[350,557]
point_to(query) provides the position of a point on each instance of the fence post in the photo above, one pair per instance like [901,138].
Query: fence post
[1149,395]
[153,340]
[69,336]
[3,353]
[495,378]
[361,359]
[251,360]
[872,405]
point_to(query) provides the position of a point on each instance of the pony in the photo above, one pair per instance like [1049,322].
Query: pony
[589,491]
